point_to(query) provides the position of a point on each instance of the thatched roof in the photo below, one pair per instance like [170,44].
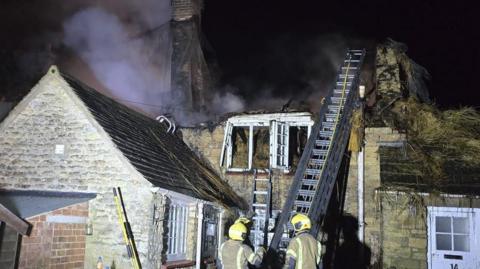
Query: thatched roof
[442,148]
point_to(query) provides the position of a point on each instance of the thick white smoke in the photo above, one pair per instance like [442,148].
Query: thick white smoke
[135,67]
[127,46]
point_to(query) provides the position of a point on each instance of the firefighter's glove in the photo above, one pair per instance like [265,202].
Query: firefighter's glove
[261,252]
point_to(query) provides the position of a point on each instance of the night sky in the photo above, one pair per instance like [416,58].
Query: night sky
[264,42]
[284,47]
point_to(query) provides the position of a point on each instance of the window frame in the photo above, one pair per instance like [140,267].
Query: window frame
[435,256]
[177,224]
[271,121]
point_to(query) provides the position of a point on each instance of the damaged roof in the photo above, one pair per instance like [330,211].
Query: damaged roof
[161,157]
[398,169]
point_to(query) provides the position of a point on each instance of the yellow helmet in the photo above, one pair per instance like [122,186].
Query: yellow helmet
[237,231]
[301,222]
[243,220]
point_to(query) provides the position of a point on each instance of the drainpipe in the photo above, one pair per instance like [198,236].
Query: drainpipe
[220,229]
[198,259]
[360,181]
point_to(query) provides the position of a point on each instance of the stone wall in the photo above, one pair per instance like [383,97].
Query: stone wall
[52,115]
[57,239]
[207,143]
[373,138]
[403,218]
[395,223]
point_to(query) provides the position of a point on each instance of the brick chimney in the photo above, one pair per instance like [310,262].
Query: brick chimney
[190,81]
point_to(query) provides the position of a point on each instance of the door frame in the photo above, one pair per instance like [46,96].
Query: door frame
[431,209]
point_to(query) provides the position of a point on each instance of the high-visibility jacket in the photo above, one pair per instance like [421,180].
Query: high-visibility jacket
[303,252]
[234,254]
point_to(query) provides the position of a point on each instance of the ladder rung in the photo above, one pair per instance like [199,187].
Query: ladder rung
[341,83]
[322,143]
[331,116]
[334,107]
[351,67]
[261,192]
[340,91]
[319,151]
[352,61]
[312,172]
[327,124]
[317,162]
[326,133]
[259,218]
[259,205]
[310,182]
[306,192]
[302,203]
[262,179]
[337,100]
[348,76]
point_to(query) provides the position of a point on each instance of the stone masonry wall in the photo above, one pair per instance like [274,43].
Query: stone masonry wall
[57,239]
[403,217]
[373,136]
[395,224]
[351,194]
[52,115]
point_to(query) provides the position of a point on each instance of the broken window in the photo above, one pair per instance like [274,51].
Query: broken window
[265,141]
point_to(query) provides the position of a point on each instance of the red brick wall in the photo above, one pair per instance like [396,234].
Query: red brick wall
[54,242]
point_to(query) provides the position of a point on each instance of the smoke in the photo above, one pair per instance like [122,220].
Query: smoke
[123,48]
[226,101]
[129,53]
[132,60]
[295,73]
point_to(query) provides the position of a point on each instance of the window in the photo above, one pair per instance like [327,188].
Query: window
[451,237]
[264,141]
[452,233]
[177,232]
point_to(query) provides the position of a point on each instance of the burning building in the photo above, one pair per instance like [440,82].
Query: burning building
[385,187]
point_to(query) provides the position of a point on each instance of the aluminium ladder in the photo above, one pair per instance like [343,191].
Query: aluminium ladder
[261,207]
[317,170]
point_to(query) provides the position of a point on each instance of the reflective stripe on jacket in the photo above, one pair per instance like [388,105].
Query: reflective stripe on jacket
[303,252]
[236,255]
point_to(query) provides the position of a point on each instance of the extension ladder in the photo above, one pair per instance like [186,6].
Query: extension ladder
[317,170]
[261,206]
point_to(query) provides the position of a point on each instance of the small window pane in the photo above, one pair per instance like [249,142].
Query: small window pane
[444,242]
[460,225]
[443,224]
[461,243]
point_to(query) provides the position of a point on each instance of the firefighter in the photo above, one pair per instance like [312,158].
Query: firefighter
[303,251]
[234,254]
[244,220]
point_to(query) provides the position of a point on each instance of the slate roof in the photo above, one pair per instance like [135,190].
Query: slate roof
[161,157]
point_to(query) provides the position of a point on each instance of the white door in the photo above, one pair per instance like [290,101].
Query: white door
[453,238]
